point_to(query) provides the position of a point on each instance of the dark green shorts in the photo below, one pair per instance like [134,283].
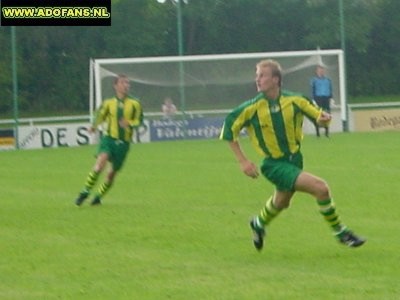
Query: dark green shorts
[116,150]
[283,172]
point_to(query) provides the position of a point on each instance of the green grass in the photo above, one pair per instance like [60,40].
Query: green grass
[175,225]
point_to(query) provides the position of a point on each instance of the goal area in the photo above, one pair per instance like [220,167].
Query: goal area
[212,83]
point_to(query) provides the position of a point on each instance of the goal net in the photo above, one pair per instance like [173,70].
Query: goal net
[212,83]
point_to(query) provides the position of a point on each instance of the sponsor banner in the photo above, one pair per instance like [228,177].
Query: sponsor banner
[54,136]
[68,135]
[7,140]
[376,119]
[195,128]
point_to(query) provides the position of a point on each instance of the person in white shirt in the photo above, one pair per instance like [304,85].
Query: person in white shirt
[168,108]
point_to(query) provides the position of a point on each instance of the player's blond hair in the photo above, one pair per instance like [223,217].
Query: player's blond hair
[118,77]
[274,66]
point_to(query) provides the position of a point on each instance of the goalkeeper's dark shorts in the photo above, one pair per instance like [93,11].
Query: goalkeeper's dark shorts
[117,150]
[283,172]
[324,103]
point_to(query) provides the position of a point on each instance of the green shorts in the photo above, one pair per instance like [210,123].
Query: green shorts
[283,172]
[116,150]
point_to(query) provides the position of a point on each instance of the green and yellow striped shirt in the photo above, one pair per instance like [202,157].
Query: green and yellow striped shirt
[112,110]
[274,126]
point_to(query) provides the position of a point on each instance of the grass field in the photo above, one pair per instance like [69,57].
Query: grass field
[175,225]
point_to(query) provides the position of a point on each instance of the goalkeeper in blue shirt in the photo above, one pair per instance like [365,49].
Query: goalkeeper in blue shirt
[321,93]
[273,120]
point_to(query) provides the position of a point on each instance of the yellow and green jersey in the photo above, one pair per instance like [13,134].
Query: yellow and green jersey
[274,126]
[114,109]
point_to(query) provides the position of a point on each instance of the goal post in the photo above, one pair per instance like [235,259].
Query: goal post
[213,82]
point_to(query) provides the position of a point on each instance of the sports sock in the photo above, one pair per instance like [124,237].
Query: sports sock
[103,188]
[268,213]
[90,181]
[328,211]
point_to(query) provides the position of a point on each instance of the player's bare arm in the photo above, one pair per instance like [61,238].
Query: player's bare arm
[123,123]
[92,129]
[247,166]
[324,118]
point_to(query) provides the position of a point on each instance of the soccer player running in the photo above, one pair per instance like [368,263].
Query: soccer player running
[273,120]
[121,114]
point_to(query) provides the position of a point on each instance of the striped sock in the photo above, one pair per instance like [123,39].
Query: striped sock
[90,181]
[268,213]
[328,211]
[103,188]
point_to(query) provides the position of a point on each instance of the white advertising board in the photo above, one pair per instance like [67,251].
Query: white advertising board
[66,135]
[54,136]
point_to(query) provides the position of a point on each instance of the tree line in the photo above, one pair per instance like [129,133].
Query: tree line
[53,62]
